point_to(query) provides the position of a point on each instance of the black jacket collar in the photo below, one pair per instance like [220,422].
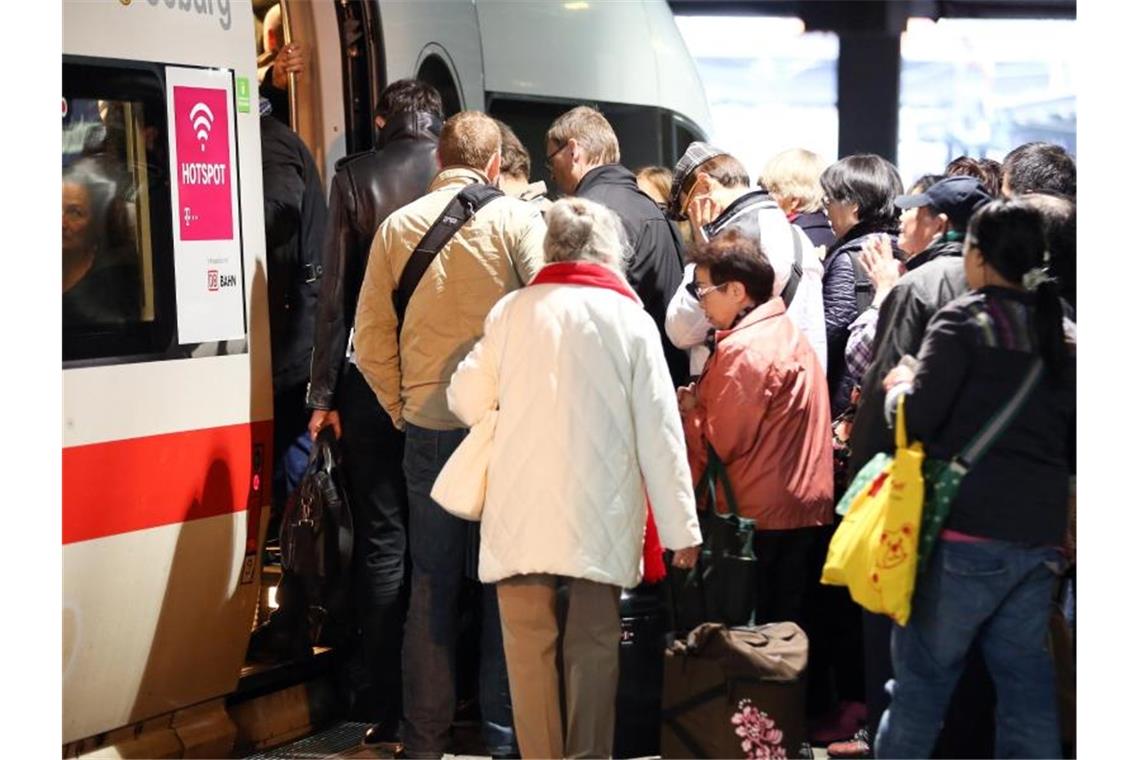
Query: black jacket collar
[413,125]
[940,247]
[741,204]
[607,174]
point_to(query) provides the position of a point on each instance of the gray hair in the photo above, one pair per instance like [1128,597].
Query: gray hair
[581,230]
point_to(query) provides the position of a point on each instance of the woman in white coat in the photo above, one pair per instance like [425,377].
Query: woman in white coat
[587,428]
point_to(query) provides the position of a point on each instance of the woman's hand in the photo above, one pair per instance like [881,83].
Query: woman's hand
[687,398]
[879,260]
[902,373]
[686,558]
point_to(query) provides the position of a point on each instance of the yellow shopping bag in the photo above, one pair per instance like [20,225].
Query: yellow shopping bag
[874,550]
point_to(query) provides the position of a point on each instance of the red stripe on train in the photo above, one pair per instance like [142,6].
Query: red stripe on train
[138,483]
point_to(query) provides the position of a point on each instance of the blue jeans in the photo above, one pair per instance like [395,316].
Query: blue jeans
[999,594]
[439,543]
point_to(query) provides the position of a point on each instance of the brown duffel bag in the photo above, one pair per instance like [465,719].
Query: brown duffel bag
[735,692]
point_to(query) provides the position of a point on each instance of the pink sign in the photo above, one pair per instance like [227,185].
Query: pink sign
[202,136]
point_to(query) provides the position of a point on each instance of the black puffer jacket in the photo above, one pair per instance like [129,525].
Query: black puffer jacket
[295,215]
[366,189]
[655,271]
[847,291]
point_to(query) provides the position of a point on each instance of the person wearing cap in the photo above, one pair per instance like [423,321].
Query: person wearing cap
[711,190]
[582,156]
[934,277]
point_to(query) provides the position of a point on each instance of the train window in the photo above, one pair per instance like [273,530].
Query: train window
[116,299]
[648,136]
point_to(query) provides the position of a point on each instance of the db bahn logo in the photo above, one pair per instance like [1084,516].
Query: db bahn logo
[214,281]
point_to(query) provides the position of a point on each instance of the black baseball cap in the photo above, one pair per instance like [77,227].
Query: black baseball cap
[956,197]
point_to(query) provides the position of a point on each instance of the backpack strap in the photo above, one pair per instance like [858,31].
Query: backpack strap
[864,288]
[789,291]
[456,214]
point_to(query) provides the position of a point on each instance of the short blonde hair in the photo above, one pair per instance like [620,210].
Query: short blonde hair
[581,230]
[469,138]
[794,174]
[592,132]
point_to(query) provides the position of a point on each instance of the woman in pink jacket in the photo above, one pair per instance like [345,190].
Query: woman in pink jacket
[762,405]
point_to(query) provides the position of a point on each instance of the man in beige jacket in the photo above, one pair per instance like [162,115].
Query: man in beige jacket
[498,250]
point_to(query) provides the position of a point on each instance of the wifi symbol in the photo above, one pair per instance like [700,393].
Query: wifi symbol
[202,118]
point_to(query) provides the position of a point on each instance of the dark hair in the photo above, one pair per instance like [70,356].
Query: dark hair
[734,257]
[870,182]
[985,170]
[516,159]
[1040,167]
[1059,216]
[409,95]
[724,168]
[1010,237]
[923,183]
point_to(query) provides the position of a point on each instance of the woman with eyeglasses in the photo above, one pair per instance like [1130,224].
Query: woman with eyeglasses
[761,404]
[859,199]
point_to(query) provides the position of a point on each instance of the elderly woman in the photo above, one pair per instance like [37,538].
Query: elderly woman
[761,404]
[587,427]
[859,198]
[791,177]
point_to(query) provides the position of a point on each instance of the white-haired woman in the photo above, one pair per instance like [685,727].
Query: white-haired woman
[587,427]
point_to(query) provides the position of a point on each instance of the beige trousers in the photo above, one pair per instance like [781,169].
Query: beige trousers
[590,640]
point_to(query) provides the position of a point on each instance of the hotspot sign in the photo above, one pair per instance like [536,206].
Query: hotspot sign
[207,252]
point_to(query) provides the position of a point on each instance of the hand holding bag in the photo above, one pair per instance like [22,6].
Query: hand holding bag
[461,487]
[874,550]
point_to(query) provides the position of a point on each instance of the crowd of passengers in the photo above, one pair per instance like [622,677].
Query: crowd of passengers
[622,333]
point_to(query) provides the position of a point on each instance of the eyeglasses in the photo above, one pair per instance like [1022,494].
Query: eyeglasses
[549,165]
[700,293]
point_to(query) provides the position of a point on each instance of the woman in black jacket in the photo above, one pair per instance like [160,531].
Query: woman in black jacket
[859,198]
[993,568]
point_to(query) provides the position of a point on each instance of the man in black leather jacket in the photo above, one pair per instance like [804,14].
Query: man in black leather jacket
[366,189]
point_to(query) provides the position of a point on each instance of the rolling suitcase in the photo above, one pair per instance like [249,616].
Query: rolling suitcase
[735,692]
[641,657]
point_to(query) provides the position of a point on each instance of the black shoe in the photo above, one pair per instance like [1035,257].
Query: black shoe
[383,742]
[276,643]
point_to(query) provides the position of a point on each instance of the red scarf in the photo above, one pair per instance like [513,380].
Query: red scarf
[600,276]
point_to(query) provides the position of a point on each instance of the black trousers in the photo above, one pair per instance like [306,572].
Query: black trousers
[784,557]
[373,452]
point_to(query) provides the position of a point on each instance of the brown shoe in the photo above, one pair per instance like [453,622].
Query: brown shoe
[858,745]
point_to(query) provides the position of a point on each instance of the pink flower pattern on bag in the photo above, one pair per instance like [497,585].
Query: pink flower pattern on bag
[759,737]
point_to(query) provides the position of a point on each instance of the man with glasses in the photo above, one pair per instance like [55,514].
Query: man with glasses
[711,190]
[582,156]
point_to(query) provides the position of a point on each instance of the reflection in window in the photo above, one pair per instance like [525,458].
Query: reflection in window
[983,87]
[107,267]
[770,85]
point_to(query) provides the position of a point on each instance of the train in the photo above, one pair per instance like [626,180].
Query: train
[167,390]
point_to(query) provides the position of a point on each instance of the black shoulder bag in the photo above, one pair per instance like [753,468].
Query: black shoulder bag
[721,587]
[789,291]
[456,214]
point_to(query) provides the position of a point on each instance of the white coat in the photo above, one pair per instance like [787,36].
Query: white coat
[588,424]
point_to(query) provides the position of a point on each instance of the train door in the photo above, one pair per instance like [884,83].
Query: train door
[167,404]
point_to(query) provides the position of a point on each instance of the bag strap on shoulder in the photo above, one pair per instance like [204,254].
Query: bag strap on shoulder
[456,214]
[986,437]
[714,471]
[793,284]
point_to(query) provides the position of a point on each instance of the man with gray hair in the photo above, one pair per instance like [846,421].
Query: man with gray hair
[582,155]
[409,340]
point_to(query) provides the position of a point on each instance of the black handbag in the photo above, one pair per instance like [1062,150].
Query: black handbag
[721,587]
[317,531]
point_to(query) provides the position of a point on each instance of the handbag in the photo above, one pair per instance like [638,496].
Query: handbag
[874,550]
[721,587]
[944,477]
[461,487]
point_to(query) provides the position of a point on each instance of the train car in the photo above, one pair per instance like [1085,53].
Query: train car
[166,369]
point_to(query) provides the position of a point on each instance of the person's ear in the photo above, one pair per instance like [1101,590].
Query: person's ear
[493,166]
[943,224]
[572,148]
[737,291]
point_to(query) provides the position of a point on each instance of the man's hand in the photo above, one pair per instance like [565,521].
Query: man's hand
[686,558]
[702,210]
[290,60]
[902,373]
[322,418]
